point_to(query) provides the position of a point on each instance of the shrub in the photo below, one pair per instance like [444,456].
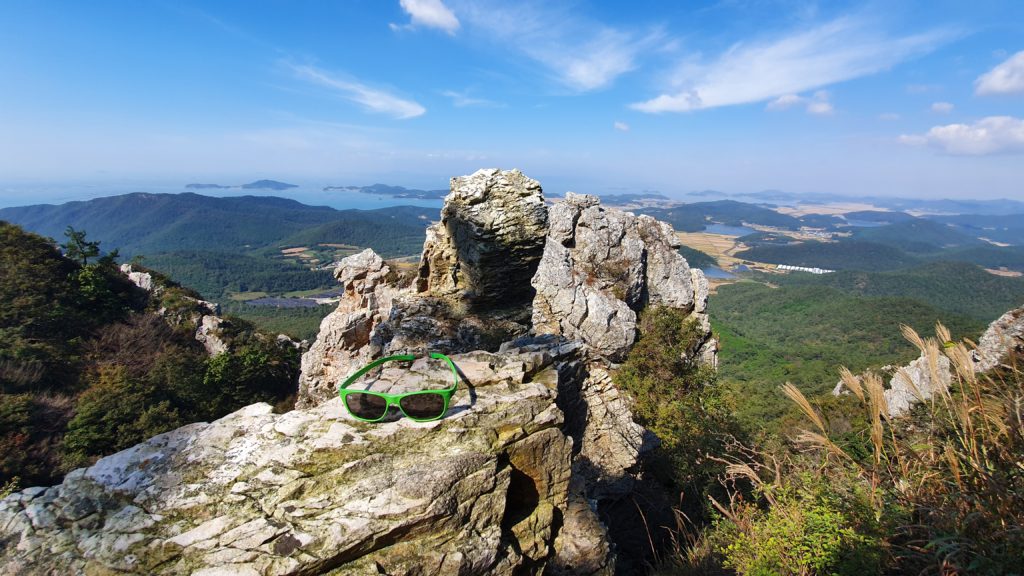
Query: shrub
[676,397]
[9,487]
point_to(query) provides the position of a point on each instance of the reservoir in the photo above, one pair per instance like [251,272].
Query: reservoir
[726,230]
[718,273]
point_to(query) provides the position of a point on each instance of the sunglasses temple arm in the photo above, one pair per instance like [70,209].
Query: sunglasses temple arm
[455,373]
[402,357]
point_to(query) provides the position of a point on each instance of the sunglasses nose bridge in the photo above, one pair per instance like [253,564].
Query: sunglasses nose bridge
[392,401]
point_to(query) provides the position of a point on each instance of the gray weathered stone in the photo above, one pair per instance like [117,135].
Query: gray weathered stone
[601,267]
[482,491]
[1002,337]
[344,344]
[920,380]
[485,249]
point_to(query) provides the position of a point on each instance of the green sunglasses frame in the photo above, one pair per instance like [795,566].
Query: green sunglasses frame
[395,399]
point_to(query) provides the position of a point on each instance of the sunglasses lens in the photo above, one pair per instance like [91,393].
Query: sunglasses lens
[366,406]
[423,406]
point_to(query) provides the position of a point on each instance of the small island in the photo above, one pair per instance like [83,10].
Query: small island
[205,186]
[257,185]
[393,191]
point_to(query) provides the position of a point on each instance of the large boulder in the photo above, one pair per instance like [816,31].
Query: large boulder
[485,490]
[601,267]
[489,241]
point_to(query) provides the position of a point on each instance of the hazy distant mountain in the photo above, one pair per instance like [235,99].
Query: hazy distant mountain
[149,223]
[257,185]
[268,185]
[393,191]
[941,206]
[619,199]
[694,217]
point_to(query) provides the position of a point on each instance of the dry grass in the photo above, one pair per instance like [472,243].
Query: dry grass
[940,491]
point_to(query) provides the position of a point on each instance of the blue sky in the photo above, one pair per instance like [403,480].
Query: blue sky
[892,98]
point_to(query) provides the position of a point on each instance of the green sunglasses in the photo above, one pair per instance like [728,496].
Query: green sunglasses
[421,406]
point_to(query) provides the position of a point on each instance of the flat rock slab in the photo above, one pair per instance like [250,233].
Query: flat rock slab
[312,491]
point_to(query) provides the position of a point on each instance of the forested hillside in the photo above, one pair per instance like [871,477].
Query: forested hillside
[803,334]
[224,247]
[91,364]
[143,223]
[890,253]
[957,287]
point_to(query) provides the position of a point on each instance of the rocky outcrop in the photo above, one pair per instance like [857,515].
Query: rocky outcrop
[344,342]
[485,249]
[484,491]
[209,333]
[141,279]
[602,267]
[931,374]
[472,289]
[197,315]
[1002,337]
[916,382]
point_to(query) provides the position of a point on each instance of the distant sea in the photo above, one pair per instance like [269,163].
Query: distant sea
[17,194]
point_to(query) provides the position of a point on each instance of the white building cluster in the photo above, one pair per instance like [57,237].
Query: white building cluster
[787,267]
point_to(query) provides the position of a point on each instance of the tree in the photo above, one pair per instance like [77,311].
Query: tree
[78,248]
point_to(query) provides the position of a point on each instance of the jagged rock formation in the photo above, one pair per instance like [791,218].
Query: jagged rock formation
[486,247]
[601,267]
[200,315]
[143,280]
[471,291]
[930,375]
[513,480]
[1004,335]
[344,344]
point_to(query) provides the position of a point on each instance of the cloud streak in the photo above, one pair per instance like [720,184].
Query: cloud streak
[1006,78]
[464,100]
[371,99]
[840,50]
[818,104]
[988,136]
[581,54]
[430,13]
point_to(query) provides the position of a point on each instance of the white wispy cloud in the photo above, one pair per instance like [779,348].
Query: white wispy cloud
[464,100]
[991,135]
[818,104]
[621,126]
[785,102]
[429,13]
[372,99]
[582,54]
[1006,78]
[942,107]
[836,51]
